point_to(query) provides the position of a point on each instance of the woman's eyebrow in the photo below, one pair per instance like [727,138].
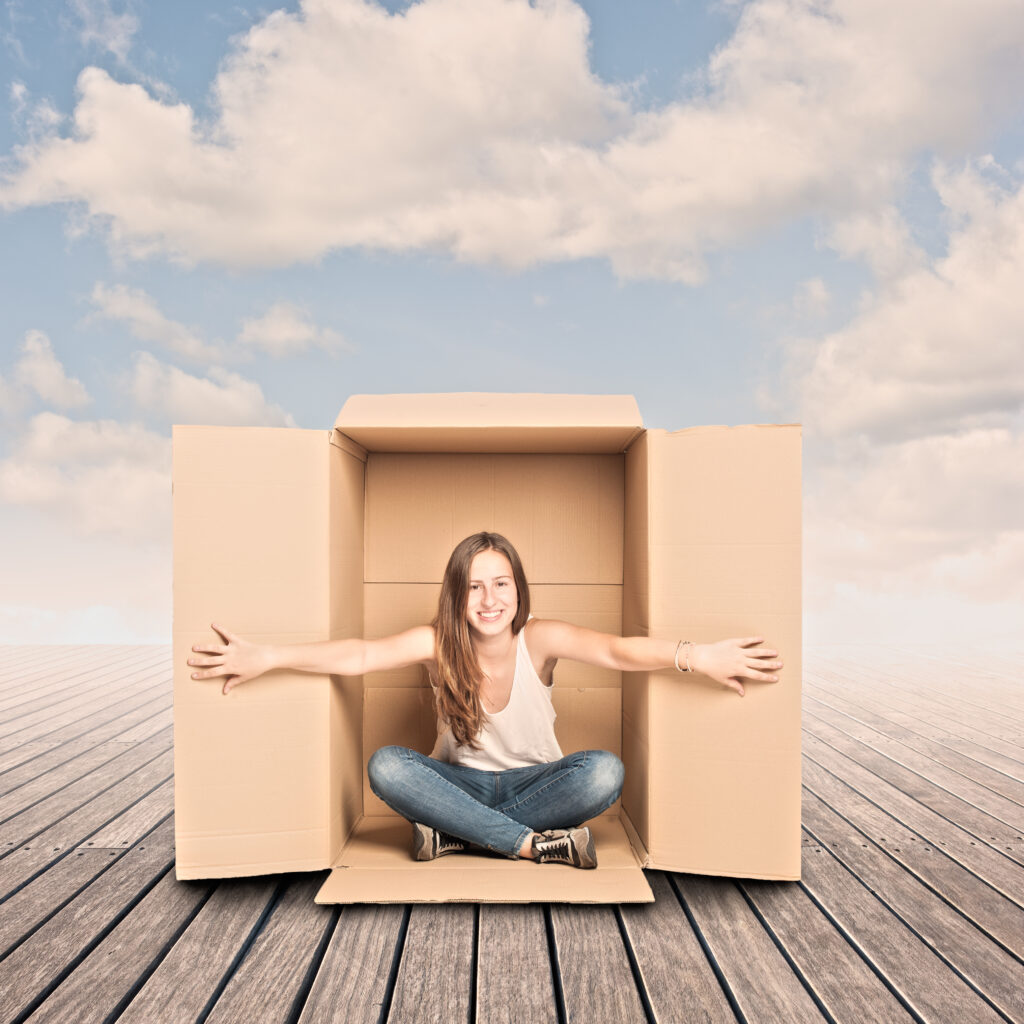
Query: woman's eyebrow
[494,579]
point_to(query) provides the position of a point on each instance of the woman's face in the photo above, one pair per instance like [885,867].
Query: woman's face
[493,599]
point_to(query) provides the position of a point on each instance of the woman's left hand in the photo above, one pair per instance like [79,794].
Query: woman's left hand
[729,662]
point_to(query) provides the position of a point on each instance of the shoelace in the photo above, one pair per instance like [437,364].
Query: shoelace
[561,848]
[446,843]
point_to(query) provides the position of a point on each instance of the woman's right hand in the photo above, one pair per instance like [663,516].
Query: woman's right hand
[237,659]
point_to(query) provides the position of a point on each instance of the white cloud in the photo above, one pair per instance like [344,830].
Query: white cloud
[477,127]
[138,311]
[41,372]
[941,348]
[812,298]
[222,399]
[100,25]
[286,329]
[915,433]
[99,476]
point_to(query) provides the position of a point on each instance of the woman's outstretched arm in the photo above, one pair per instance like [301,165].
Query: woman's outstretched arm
[728,662]
[239,660]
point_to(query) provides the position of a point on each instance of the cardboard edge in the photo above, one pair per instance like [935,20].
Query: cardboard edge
[346,444]
[658,865]
[639,850]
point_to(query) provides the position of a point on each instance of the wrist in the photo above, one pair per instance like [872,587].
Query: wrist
[698,657]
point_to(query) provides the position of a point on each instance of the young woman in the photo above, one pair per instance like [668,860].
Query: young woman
[496,778]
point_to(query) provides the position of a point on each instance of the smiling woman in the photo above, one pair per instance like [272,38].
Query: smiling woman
[497,778]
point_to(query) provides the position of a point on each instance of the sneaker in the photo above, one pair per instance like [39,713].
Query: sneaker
[574,846]
[429,843]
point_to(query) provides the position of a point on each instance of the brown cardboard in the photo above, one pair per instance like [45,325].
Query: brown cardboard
[375,868]
[293,536]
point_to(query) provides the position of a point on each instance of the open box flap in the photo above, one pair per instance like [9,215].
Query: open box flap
[376,867]
[499,423]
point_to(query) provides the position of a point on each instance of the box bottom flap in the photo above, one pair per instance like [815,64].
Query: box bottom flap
[376,867]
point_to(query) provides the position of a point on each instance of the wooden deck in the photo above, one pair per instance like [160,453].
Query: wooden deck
[911,905]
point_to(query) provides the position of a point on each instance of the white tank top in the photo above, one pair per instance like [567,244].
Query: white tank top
[522,733]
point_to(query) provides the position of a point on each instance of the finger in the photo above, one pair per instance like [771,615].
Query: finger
[764,666]
[203,662]
[763,677]
[209,673]
[762,652]
[223,633]
[209,649]
[229,684]
[750,641]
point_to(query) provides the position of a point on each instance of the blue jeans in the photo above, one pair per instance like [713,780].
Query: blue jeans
[496,810]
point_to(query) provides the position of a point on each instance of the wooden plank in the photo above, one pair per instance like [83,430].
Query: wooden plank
[437,934]
[818,718]
[963,889]
[875,773]
[47,671]
[937,994]
[129,827]
[49,953]
[11,759]
[93,992]
[53,739]
[987,863]
[43,896]
[848,989]
[55,692]
[20,827]
[762,983]
[14,671]
[956,734]
[62,881]
[960,943]
[815,698]
[39,724]
[679,980]
[270,979]
[147,727]
[597,982]
[352,981]
[514,982]
[58,765]
[18,866]
[989,697]
[49,783]
[188,976]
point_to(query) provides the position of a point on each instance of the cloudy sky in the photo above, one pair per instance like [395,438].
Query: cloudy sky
[771,211]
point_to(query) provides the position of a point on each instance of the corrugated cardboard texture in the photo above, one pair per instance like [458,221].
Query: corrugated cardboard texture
[393,607]
[251,548]
[474,422]
[345,725]
[376,867]
[635,622]
[562,512]
[587,719]
[724,772]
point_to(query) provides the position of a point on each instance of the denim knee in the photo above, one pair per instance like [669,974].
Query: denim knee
[385,770]
[606,775]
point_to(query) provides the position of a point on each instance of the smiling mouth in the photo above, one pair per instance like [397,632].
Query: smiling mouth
[488,616]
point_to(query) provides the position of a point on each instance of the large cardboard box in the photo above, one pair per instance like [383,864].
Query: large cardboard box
[301,535]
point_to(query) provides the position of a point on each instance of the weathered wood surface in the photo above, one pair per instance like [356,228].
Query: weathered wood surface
[910,906]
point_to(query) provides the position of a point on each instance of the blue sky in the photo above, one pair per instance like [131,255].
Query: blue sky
[739,212]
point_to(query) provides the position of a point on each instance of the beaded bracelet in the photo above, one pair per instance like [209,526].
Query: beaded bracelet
[689,644]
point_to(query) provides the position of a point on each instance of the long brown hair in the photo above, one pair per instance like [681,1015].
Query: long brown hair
[458,672]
